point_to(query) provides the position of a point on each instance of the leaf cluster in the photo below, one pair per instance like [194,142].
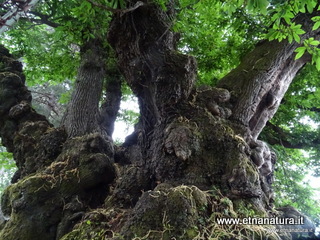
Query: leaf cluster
[217,33]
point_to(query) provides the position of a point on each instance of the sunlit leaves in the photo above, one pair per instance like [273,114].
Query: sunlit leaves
[310,45]
[300,51]
[290,32]
[310,4]
[230,6]
[216,39]
[258,6]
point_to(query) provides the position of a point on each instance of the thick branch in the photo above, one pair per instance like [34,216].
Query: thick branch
[43,19]
[259,83]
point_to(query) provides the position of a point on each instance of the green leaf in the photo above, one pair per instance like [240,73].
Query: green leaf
[317,60]
[300,51]
[316,26]
[258,5]
[311,5]
[314,42]
[300,31]
[296,37]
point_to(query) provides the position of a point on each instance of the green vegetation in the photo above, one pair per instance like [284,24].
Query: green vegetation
[7,168]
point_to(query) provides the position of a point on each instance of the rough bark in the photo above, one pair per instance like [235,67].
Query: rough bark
[83,115]
[111,104]
[198,137]
[194,155]
[263,77]
[58,178]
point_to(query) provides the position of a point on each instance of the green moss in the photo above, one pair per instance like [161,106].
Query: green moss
[95,226]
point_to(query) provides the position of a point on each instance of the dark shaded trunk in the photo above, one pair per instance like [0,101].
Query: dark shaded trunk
[111,104]
[194,155]
[205,137]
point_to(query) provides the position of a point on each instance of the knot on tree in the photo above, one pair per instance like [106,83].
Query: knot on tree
[181,140]
[244,180]
[12,89]
[9,64]
[163,207]
[215,100]
[12,92]
[262,157]
[19,109]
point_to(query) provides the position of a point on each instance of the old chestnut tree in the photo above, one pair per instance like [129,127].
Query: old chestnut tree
[196,153]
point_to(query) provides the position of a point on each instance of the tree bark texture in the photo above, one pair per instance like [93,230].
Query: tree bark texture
[263,78]
[194,154]
[202,137]
[83,115]
[111,105]
[58,178]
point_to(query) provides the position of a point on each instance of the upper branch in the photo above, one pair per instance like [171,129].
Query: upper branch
[113,10]
[259,83]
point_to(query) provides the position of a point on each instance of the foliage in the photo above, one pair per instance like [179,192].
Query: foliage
[7,168]
[50,61]
[291,185]
[51,100]
[284,27]
[50,48]
[217,52]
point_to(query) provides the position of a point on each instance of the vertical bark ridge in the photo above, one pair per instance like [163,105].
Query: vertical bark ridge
[82,116]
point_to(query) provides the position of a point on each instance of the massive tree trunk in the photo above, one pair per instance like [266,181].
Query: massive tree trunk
[194,155]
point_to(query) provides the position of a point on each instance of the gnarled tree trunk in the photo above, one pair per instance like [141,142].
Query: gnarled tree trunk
[194,155]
